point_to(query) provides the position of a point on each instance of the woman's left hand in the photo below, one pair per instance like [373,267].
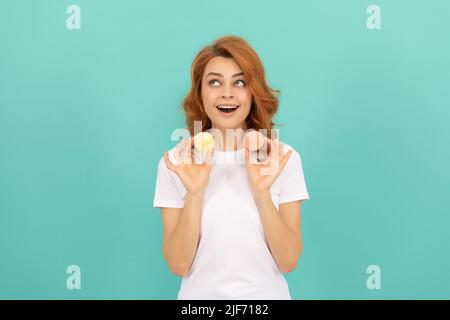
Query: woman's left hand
[262,174]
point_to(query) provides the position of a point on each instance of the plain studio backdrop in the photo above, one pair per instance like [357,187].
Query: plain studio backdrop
[87,110]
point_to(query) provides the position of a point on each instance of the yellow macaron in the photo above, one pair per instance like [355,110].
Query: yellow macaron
[204,141]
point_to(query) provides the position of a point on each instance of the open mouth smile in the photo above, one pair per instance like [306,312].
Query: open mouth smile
[227,109]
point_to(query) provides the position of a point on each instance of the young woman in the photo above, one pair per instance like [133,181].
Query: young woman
[231,230]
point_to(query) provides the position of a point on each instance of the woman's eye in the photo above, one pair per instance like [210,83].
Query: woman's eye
[243,82]
[212,81]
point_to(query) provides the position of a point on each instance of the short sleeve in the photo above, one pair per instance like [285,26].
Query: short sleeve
[169,191]
[292,184]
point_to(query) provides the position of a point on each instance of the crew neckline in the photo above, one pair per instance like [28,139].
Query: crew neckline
[230,152]
[229,157]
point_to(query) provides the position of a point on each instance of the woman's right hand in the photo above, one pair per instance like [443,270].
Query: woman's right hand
[193,175]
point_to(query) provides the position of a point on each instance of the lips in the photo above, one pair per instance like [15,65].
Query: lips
[227,108]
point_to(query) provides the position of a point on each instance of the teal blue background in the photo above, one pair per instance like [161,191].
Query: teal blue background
[85,116]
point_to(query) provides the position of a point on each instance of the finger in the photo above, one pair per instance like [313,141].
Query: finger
[285,159]
[276,154]
[272,153]
[189,151]
[263,152]
[169,164]
[268,146]
[248,159]
[209,156]
[281,152]
[247,156]
[271,148]
[187,156]
[177,153]
[246,142]
[192,146]
[265,159]
[275,149]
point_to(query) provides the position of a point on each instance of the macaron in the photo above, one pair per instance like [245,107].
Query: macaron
[204,141]
[254,140]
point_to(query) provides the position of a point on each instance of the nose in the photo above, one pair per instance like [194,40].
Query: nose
[227,92]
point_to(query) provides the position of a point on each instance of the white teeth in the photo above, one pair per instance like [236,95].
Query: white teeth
[227,107]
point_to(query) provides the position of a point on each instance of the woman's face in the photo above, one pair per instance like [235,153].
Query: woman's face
[224,85]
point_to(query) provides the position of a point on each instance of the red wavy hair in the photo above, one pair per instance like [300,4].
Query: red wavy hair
[264,99]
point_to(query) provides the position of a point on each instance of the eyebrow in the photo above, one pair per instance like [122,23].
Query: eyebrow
[220,75]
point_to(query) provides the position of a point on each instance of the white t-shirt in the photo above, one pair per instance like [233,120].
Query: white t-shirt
[233,260]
